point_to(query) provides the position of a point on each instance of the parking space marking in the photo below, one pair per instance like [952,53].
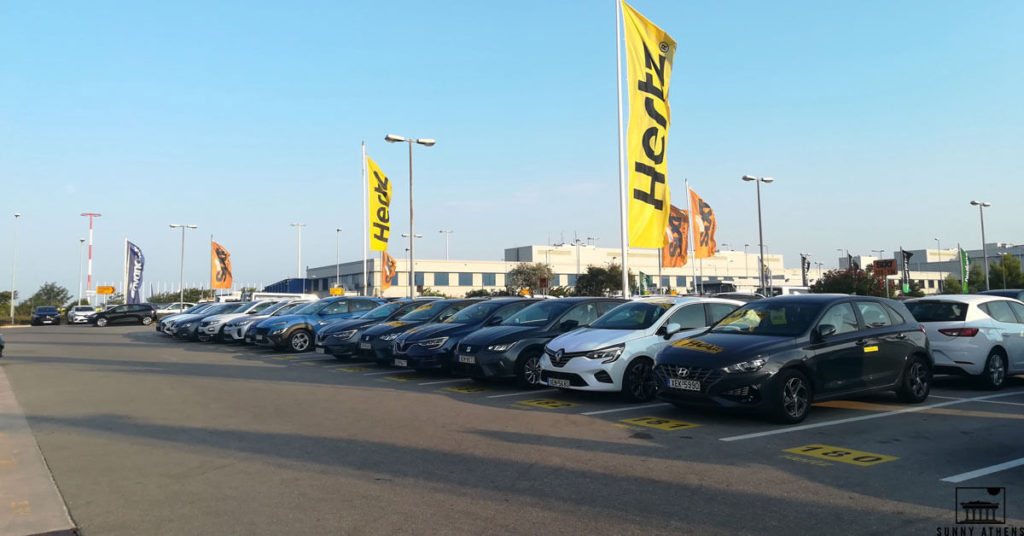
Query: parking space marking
[439,382]
[358,364]
[547,403]
[402,378]
[837,422]
[985,401]
[629,408]
[464,389]
[870,406]
[840,454]
[21,508]
[521,393]
[389,372]
[984,471]
[352,369]
[660,423]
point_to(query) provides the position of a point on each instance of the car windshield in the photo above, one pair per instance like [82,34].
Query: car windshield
[308,309]
[261,307]
[636,315]
[46,310]
[475,313]
[770,317]
[424,312]
[289,309]
[537,314]
[938,311]
[383,311]
[223,308]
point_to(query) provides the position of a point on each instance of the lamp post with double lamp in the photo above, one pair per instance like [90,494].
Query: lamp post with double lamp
[181,273]
[760,228]
[427,142]
[446,232]
[337,257]
[746,264]
[81,242]
[298,260]
[408,260]
[14,257]
[984,249]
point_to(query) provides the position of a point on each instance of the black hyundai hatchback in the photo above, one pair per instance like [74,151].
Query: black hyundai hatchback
[782,354]
[513,348]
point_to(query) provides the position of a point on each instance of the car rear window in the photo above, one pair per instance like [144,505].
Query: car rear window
[938,311]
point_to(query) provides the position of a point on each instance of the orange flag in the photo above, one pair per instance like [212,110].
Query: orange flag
[673,254]
[388,271]
[704,226]
[220,266]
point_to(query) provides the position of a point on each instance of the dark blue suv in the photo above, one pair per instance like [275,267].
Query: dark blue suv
[296,330]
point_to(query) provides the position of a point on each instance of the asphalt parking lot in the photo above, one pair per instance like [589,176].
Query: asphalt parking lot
[146,434]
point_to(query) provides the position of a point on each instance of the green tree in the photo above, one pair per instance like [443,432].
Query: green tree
[951,285]
[601,281]
[975,278]
[429,292]
[115,299]
[530,275]
[915,291]
[1005,274]
[192,295]
[859,282]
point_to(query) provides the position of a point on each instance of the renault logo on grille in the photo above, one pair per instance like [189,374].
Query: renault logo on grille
[683,372]
[559,353]
[469,348]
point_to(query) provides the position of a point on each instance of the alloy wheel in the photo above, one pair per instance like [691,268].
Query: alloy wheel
[531,370]
[641,381]
[794,397]
[300,341]
[997,373]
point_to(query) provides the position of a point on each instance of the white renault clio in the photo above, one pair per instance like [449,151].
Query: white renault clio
[616,352]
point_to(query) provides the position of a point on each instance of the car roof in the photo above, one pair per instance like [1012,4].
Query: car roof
[962,298]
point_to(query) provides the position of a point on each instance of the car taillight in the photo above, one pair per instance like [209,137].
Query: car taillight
[959,332]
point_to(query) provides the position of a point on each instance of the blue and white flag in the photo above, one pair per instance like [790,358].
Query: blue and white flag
[133,286]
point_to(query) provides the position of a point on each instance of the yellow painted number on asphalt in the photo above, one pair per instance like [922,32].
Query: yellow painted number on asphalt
[840,454]
[352,369]
[465,389]
[21,508]
[547,403]
[659,423]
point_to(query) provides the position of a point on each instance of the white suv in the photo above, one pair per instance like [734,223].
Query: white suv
[616,352]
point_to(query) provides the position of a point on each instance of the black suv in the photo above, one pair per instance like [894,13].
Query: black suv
[139,313]
[45,315]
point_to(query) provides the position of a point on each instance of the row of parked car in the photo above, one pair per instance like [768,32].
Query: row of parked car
[777,355]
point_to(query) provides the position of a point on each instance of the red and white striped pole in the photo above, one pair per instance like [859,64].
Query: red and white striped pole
[91,215]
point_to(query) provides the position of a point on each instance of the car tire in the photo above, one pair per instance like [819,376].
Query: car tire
[528,370]
[916,382]
[146,320]
[792,396]
[994,376]
[101,322]
[300,341]
[638,384]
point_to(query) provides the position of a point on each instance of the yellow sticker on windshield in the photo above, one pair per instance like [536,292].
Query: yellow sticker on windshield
[777,317]
[423,307]
[700,346]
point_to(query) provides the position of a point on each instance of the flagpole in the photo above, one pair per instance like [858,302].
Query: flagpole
[624,238]
[365,219]
[963,277]
[124,283]
[693,238]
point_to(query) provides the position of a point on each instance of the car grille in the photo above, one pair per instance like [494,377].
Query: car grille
[703,375]
[401,347]
[469,348]
[561,361]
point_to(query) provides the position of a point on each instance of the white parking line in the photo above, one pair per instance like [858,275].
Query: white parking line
[460,380]
[985,471]
[389,372]
[521,393]
[631,408]
[862,417]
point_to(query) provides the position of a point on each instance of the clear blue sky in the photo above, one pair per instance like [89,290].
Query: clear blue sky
[880,121]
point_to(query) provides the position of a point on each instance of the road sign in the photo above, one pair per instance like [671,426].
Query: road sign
[886,267]
[337,291]
[105,290]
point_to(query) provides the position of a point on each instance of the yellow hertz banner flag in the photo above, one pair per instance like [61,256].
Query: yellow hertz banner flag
[380,206]
[649,53]
[704,227]
[220,266]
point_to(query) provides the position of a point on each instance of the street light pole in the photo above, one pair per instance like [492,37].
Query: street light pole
[298,260]
[81,241]
[88,284]
[337,258]
[14,261]
[181,273]
[446,232]
[984,248]
[408,260]
[746,263]
[760,228]
[391,138]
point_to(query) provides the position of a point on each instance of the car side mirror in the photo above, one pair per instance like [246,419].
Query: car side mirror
[671,330]
[824,331]
[568,325]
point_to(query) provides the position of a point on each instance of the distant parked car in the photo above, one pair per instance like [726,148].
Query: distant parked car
[341,339]
[45,315]
[976,335]
[139,313]
[79,314]
[173,308]
[237,330]
[1,346]
[166,321]
[296,330]
[1015,293]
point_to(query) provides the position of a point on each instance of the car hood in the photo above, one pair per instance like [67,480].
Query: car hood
[224,317]
[241,318]
[184,318]
[390,327]
[722,349]
[349,323]
[587,339]
[427,331]
[288,320]
[499,334]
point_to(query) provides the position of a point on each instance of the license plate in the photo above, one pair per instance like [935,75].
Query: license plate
[688,385]
[259,337]
[467,359]
[365,346]
[401,363]
[555,382]
[47,321]
[319,349]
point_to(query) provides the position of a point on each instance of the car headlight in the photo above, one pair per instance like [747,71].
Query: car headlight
[389,337]
[347,334]
[245,322]
[433,344]
[607,355]
[501,347]
[215,322]
[187,325]
[277,331]
[747,366]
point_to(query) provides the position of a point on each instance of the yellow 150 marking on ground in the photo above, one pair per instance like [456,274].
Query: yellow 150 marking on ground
[547,403]
[659,423]
[464,389]
[840,454]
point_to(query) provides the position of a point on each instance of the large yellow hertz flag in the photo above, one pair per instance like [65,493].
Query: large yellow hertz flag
[220,266]
[673,255]
[387,272]
[649,53]
[380,206]
[704,226]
